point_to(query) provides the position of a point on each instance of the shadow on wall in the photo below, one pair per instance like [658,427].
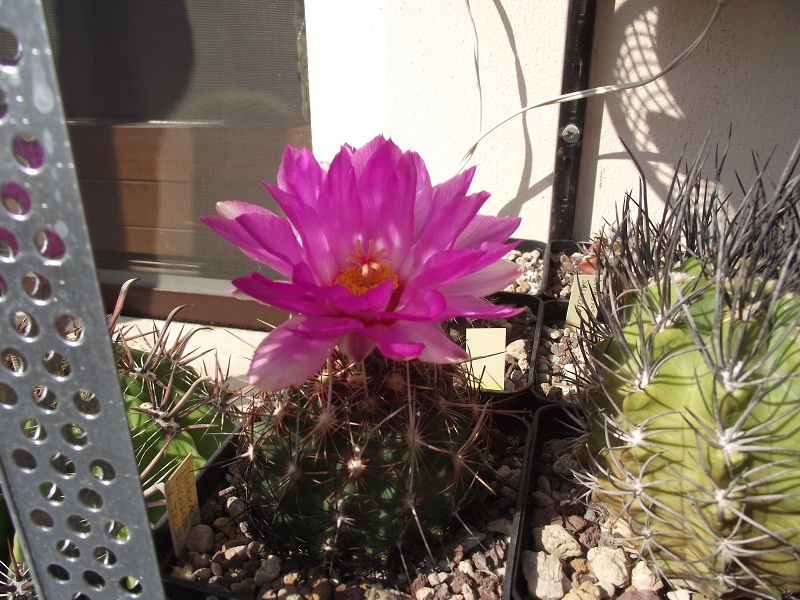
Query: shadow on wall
[744,76]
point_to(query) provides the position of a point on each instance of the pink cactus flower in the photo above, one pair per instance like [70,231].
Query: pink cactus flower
[374,255]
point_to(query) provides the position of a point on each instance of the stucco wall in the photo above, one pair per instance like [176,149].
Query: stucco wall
[405,68]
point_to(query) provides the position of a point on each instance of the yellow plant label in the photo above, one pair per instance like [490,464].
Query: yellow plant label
[487,348]
[183,508]
[582,299]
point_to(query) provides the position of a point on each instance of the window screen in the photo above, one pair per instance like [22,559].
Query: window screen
[174,105]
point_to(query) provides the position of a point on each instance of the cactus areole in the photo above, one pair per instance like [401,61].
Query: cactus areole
[695,390]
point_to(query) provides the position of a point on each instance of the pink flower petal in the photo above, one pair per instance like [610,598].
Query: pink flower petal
[424,305]
[300,175]
[477,308]
[439,348]
[394,342]
[484,228]
[309,226]
[387,187]
[447,266]
[282,294]
[281,253]
[356,346]
[293,352]
[488,280]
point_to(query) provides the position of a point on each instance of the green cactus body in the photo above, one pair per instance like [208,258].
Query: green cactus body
[695,468]
[695,394]
[171,415]
[354,464]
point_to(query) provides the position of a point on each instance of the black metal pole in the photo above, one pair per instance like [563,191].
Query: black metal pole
[575,77]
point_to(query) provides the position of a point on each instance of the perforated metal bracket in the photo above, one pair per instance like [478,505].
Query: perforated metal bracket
[66,459]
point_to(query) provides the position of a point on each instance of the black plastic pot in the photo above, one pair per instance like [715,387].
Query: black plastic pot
[549,422]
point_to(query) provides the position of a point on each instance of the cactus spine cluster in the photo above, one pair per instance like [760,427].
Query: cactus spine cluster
[173,411]
[694,386]
[366,457]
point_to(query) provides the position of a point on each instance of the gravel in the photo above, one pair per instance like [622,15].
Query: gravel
[559,364]
[531,280]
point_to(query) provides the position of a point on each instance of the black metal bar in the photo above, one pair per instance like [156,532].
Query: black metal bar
[575,77]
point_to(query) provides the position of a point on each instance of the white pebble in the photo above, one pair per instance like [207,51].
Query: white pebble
[559,542]
[546,579]
[643,578]
[609,565]
[424,593]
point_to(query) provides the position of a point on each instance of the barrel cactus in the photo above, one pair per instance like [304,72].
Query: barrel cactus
[365,457]
[694,386]
[173,411]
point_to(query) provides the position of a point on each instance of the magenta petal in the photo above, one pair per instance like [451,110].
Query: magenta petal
[496,276]
[447,266]
[485,228]
[282,294]
[309,225]
[345,301]
[287,358]
[439,348]
[477,308]
[424,305]
[387,187]
[300,175]
[275,245]
[393,341]
[356,346]
[340,204]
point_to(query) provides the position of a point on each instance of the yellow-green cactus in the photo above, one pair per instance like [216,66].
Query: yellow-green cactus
[695,392]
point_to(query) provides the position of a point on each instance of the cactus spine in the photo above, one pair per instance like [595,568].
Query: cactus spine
[173,410]
[365,457]
[694,387]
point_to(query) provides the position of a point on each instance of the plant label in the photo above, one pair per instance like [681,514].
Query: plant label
[183,508]
[487,348]
[582,299]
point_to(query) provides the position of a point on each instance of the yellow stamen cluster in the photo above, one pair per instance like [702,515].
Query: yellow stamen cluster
[369,270]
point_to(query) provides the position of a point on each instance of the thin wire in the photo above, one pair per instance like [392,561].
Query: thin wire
[598,91]
[474,32]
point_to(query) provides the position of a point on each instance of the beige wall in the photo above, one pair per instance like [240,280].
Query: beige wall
[745,76]
[405,68]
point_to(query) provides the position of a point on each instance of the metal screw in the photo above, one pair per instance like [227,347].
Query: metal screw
[571,134]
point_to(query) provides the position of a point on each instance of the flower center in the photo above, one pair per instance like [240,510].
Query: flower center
[368,270]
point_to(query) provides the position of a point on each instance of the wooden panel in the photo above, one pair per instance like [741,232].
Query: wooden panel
[133,152]
[138,203]
[181,152]
[214,310]
[142,240]
[144,186]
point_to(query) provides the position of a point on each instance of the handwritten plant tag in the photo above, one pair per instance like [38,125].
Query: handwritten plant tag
[183,508]
[582,299]
[487,347]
